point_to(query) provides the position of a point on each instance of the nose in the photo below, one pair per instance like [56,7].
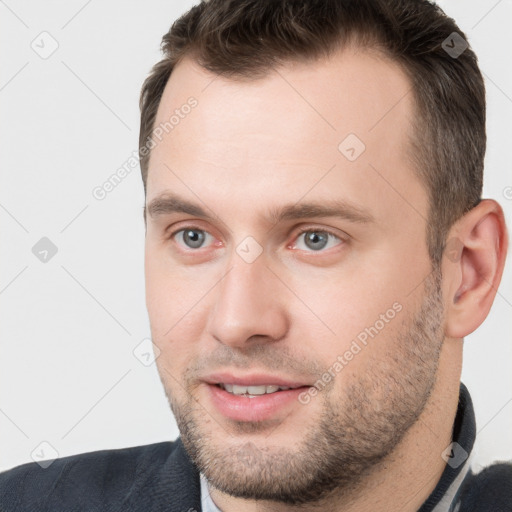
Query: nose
[248,305]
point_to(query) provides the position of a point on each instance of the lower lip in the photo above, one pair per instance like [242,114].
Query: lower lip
[258,408]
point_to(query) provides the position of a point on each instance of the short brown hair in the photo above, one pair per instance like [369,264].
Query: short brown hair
[244,39]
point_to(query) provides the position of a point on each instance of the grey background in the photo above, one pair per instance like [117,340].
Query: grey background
[68,376]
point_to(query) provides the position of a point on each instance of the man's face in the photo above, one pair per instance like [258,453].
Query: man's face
[342,300]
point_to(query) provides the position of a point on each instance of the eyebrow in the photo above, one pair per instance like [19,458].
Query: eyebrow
[166,204]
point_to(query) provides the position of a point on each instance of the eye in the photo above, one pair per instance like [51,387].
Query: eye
[193,238]
[316,240]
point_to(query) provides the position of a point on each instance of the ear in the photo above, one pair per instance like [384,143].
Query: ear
[473,263]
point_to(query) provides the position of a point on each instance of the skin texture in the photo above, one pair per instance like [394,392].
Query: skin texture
[373,437]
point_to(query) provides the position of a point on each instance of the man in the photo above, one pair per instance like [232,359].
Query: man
[316,251]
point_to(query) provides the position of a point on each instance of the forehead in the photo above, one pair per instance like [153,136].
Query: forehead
[281,134]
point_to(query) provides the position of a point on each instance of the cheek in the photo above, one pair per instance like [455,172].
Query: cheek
[167,286]
[159,295]
[177,309]
[348,313]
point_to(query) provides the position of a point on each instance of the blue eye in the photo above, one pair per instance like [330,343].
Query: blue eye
[191,237]
[316,240]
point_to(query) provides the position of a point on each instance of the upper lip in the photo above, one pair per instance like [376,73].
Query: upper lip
[256,379]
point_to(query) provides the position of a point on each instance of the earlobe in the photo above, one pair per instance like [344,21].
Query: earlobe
[473,263]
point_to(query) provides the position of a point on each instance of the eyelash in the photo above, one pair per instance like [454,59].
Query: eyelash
[307,230]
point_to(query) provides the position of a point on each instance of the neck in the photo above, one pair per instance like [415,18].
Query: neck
[407,476]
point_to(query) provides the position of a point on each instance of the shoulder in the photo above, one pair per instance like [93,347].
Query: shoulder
[490,489]
[89,478]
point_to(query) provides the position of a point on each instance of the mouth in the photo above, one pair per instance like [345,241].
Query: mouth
[254,398]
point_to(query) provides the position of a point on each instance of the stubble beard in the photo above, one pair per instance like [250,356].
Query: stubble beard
[353,434]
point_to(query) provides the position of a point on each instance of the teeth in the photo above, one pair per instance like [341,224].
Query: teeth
[252,390]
